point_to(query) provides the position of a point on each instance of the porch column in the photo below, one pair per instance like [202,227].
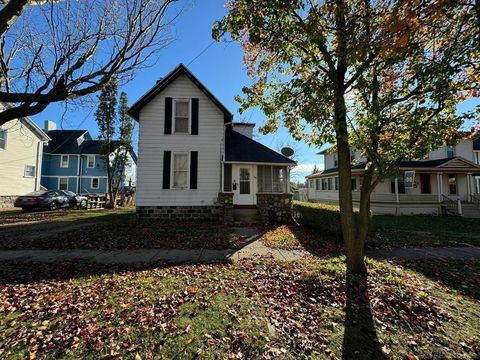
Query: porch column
[469,186]
[439,187]
[287,179]
[396,190]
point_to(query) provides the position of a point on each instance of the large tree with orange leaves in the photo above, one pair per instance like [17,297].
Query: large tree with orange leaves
[381,76]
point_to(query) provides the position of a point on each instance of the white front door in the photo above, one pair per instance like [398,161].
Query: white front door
[244,185]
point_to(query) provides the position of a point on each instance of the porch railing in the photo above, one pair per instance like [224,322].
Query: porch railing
[475,199]
[401,197]
[451,206]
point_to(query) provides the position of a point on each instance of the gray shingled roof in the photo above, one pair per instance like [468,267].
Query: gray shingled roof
[240,148]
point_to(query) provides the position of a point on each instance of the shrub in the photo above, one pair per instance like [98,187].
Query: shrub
[322,217]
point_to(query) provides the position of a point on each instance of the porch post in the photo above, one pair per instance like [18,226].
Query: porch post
[396,190]
[439,186]
[469,186]
[287,179]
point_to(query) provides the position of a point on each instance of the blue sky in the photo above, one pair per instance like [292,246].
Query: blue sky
[220,68]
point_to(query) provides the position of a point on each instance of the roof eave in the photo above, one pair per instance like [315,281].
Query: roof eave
[134,110]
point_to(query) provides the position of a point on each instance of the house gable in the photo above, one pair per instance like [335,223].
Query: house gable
[161,85]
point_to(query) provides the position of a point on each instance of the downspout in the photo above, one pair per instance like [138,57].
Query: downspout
[37,166]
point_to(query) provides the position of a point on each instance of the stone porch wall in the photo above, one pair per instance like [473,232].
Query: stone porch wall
[7,201]
[275,207]
[225,199]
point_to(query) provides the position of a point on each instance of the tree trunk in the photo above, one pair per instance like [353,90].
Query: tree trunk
[355,263]
[363,218]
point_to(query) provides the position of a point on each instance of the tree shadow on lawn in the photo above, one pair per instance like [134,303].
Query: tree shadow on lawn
[461,275]
[360,337]
[316,243]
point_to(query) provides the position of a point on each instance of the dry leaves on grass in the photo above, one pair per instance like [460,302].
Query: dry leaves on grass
[204,308]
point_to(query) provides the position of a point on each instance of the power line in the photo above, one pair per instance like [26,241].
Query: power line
[201,53]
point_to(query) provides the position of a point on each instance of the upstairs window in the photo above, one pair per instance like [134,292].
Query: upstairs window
[335,160]
[29,171]
[3,139]
[181,116]
[450,151]
[352,155]
[64,161]
[180,171]
[91,161]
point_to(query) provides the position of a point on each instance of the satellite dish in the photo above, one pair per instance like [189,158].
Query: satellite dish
[286,151]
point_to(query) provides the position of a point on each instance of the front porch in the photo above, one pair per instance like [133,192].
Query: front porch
[265,187]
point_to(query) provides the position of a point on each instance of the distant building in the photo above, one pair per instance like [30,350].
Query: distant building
[21,148]
[72,161]
[446,176]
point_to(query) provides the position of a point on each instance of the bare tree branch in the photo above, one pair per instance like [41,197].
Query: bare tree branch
[64,50]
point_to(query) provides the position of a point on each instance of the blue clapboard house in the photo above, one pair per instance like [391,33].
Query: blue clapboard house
[72,161]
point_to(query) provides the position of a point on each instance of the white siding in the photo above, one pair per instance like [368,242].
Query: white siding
[23,148]
[465,149]
[153,142]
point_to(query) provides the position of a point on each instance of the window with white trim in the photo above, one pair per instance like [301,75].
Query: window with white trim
[181,111]
[317,184]
[64,161]
[95,183]
[29,171]
[63,183]
[3,139]
[335,160]
[180,171]
[90,161]
[477,157]
[272,178]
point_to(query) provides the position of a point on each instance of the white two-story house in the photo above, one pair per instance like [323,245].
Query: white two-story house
[194,161]
[447,181]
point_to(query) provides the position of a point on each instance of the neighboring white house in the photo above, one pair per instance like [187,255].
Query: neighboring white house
[448,180]
[21,147]
[192,158]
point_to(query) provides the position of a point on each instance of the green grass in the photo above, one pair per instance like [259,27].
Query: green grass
[251,309]
[400,231]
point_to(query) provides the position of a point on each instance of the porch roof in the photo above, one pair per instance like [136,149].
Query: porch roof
[425,165]
[240,148]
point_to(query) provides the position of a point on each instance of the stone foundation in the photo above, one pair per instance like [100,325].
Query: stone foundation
[179,212]
[225,199]
[275,207]
[7,201]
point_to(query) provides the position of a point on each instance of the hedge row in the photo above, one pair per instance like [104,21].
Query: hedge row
[322,217]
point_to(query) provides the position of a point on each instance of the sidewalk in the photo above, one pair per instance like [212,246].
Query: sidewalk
[254,248]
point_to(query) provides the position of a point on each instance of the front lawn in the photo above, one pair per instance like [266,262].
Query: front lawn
[252,309]
[116,229]
[405,231]
[14,216]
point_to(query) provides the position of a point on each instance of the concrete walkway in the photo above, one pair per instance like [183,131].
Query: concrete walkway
[255,248]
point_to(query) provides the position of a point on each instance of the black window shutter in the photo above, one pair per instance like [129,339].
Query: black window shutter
[167,155]
[193,169]
[194,116]
[168,115]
